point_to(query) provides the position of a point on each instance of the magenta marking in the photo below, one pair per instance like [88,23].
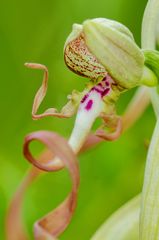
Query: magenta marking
[97,90]
[84,98]
[105,92]
[102,92]
[100,85]
[107,84]
[89,105]
[105,78]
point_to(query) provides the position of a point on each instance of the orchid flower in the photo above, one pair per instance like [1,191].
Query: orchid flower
[105,52]
[90,51]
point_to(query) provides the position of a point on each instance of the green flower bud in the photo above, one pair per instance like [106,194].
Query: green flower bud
[102,46]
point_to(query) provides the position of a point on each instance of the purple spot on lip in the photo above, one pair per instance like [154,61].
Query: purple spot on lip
[105,92]
[105,78]
[97,90]
[107,83]
[89,105]
[84,98]
[101,92]
[99,84]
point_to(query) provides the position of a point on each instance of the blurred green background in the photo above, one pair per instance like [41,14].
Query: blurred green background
[111,173]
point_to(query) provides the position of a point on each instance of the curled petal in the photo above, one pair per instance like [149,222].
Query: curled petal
[54,223]
[41,94]
[114,122]
[14,223]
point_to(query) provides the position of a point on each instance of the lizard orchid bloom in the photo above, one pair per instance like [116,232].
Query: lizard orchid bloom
[105,52]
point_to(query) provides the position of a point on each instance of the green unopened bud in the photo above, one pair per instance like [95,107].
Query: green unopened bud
[100,46]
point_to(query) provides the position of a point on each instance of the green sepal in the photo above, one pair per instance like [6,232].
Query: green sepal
[149,78]
[152,61]
[114,47]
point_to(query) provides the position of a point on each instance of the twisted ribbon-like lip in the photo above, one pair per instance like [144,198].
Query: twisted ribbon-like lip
[53,224]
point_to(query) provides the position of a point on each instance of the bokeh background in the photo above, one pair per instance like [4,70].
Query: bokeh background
[111,173]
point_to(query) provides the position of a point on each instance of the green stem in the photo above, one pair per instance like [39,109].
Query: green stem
[149,217]
[148,41]
[149,23]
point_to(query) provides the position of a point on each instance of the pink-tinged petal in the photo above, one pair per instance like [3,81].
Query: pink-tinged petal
[14,227]
[54,223]
[41,94]
[14,223]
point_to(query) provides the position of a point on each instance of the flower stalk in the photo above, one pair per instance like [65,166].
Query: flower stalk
[148,39]
[149,217]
